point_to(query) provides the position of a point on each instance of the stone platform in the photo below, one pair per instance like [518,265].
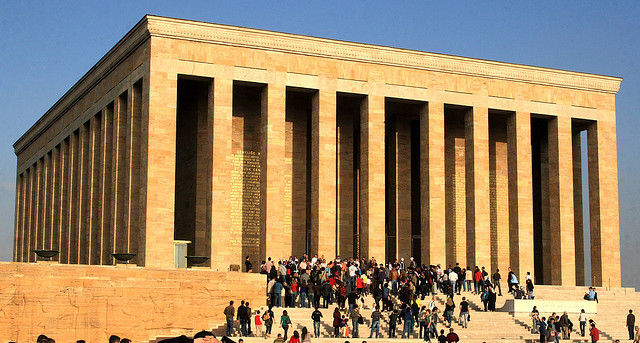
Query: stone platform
[72,302]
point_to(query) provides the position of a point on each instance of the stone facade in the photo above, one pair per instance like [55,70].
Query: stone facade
[254,143]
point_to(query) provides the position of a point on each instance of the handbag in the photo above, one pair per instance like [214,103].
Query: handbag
[360,320]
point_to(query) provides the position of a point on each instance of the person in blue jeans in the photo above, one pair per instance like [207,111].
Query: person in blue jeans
[375,322]
[229,313]
[407,317]
[277,294]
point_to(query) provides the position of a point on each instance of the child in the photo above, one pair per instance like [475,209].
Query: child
[344,327]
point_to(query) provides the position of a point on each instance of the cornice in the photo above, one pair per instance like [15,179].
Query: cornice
[129,43]
[312,46]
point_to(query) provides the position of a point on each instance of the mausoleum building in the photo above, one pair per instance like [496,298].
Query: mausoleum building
[241,142]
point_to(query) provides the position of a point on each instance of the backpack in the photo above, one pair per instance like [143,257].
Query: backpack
[484,296]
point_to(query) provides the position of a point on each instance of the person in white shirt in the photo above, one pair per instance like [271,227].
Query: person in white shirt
[453,279]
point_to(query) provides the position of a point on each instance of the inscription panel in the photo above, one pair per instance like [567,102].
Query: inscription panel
[245,202]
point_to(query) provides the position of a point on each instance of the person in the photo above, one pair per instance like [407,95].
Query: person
[534,320]
[112,338]
[582,318]
[247,314]
[631,323]
[279,339]
[496,281]
[464,312]
[277,293]
[229,312]
[594,333]
[242,318]
[316,316]
[564,324]
[285,321]
[442,338]
[450,306]
[530,294]
[407,317]
[636,338]
[434,322]
[295,338]
[393,321]
[514,281]
[484,297]
[200,337]
[452,336]
[375,322]
[248,266]
[542,329]
[257,321]
[336,322]
[304,336]
[267,318]
[355,318]
[344,327]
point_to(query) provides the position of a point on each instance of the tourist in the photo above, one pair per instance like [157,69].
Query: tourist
[477,278]
[375,322]
[496,281]
[492,299]
[295,338]
[535,318]
[564,324]
[285,321]
[484,297]
[336,322]
[243,318]
[434,322]
[582,318]
[442,338]
[229,313]
[514,281]
[453,279]
[267,319]
[355,320]
[594,333]
[407,316]
[344,326]
[422,321]
[247,312]
[464,312]
[124,340]
[452,336]
[304,336]
[247,265]
[200,337]
[257,321]
[631,323]
[530,294]
[450,306]
[316,316]
[542,329]
[279,339]
[636,338]
[277,293]
[427,326]
[393,321]
[112,338]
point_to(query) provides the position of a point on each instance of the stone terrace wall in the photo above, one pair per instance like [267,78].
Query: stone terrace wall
[70,302]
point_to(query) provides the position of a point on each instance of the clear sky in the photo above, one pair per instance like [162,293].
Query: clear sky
[46,46]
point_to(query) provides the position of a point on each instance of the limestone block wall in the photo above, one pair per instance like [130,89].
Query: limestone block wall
[69,302]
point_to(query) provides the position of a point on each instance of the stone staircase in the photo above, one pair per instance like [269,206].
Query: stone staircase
[496,326]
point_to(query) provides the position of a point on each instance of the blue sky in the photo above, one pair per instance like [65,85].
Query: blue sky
[46,46]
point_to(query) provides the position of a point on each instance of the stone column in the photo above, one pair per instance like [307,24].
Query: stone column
[577,207]
[106,146]
[603,204]
[477,187]
[158,167]
[520,196]
[274,240]
[220,121]
[432,182]
[19,222]
[323,172]
[94,215]
[84,201]
[402,189]
[561,201]
[372,178]
[65,201]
